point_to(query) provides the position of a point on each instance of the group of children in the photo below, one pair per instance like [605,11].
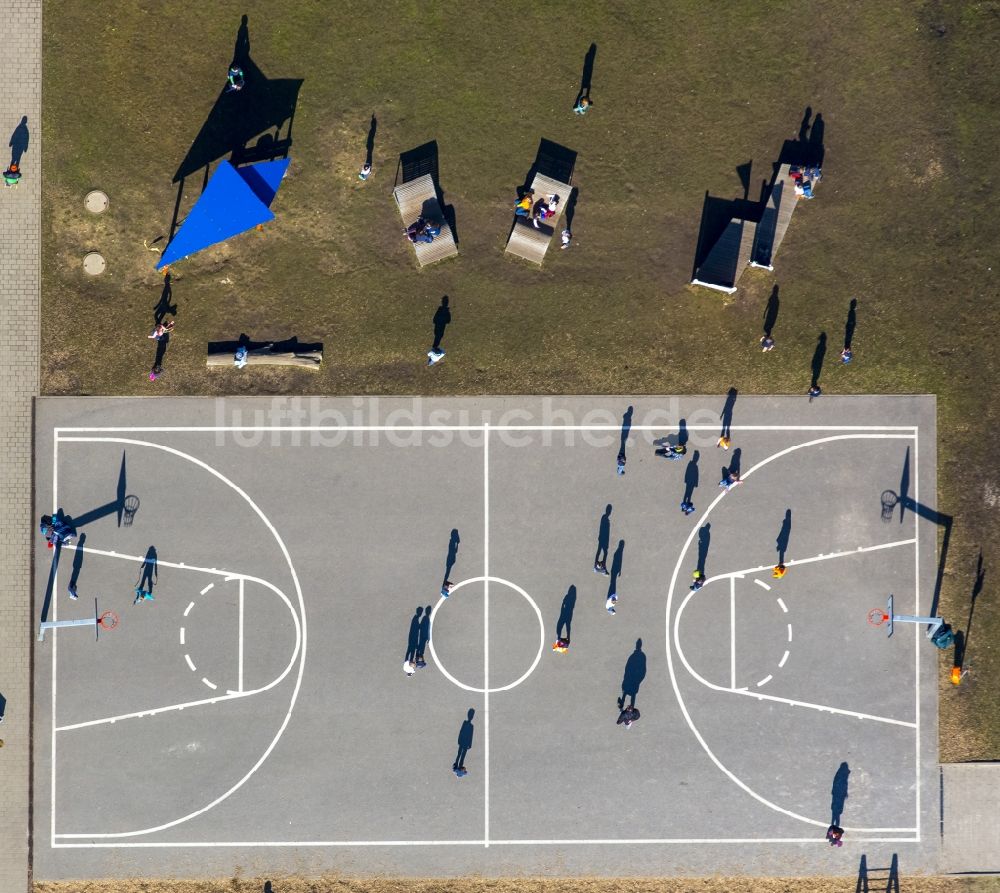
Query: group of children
[423,229]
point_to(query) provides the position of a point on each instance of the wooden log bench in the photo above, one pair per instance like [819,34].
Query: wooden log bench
[269,353]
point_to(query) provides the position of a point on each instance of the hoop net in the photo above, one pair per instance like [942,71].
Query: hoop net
[877,616]
[889,500]
[129,508]
[108,620]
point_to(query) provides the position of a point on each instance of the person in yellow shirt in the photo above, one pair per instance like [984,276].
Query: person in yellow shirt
[523,206]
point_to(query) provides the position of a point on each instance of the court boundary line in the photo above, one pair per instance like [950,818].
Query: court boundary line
[199,429]
[913,433]
[149,844]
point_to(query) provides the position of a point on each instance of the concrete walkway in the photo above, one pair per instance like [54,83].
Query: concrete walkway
[20,213]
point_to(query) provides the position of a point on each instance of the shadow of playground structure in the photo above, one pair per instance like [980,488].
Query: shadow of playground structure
[262,108]
[741,232]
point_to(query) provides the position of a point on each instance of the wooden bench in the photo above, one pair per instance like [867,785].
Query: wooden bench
[284,353]
[525,240]
[418,198]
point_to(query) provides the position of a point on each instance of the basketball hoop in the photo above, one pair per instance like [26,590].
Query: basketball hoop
[129,507]
[108,620]
[889,500]
[876,616]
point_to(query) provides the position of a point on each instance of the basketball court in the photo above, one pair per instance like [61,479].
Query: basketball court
[254,711]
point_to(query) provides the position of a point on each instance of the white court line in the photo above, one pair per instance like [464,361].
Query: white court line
[607,841]
[486,636]
[203,591]
[300,629]
[823,708]
[781,605]
[227,576]
[239,684]
[182,635]
[616,427]
[823,557]
[211,685]
[676,635]
[732,632]
[187,610]
[153,711]
[765,680]
[784,657]
[190,663]
[762,584]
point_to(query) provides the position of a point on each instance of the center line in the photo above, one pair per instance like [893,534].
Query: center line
[486,635]
[732,632]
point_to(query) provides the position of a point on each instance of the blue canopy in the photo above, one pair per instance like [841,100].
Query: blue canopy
[235,200]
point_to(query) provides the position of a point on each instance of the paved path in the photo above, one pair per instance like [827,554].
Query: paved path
[20,211]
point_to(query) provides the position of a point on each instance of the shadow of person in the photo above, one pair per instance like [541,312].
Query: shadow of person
[727,412]
[442,317]
[691,476]
[587,76]
[977,588]
[817,361]
[783,536]
[161,350]
[453,543]
[465,736]
[852,321]
[3,705]
[424,636]
[635,672]
[148,571]
[616,568]
[77,562]
[19,141]
[267,887]
[838,793]
[682,432]
[241,49]
[816,140]
[704,540]
[626,428]
[370,141]
[734,463]
[413,637]
[771,312]
[565,621]
[603,537]
[163,307]
[804,126]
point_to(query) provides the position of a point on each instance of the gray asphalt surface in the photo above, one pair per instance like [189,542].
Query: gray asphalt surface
[261,715]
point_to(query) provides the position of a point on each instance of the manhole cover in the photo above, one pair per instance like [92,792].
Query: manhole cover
[94,264]
[96,202]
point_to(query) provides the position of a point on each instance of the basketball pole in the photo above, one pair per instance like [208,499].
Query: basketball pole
[95,621]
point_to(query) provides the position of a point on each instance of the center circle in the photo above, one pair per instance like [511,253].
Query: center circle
[541,634]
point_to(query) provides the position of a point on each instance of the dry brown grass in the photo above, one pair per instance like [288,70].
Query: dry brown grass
[330,884]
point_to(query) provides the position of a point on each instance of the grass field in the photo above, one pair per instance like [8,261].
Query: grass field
[904,219]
